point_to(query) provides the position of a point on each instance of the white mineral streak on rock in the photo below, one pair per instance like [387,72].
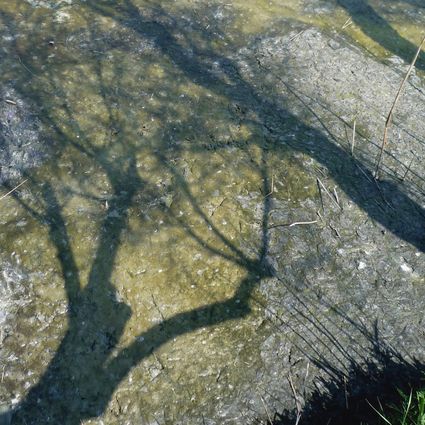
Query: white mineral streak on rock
[406,268]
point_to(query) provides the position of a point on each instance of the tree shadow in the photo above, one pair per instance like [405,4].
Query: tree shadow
[196,65]
[379,30]
[352,382]
[354,395]
[87,367]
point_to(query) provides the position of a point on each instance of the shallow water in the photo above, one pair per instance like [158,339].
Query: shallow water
[143,234]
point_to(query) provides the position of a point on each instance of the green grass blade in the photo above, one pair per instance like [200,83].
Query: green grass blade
[379,413]
[407,409]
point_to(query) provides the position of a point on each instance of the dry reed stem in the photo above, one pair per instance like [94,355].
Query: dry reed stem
[157,307]
[266,409]
[321,197]
[271,189]
[347,23]
[336,197]
[345,392]
[296,35]
[297,223]
[297,401]
[11,191]
[390,115]
[327,192]
[32,73]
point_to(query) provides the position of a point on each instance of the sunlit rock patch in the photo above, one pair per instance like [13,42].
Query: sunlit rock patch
[22,146]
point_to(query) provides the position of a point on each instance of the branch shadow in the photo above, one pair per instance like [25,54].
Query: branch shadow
[379,30]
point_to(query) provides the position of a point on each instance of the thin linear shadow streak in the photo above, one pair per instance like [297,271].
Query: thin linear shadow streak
[346,396]
[372,373]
